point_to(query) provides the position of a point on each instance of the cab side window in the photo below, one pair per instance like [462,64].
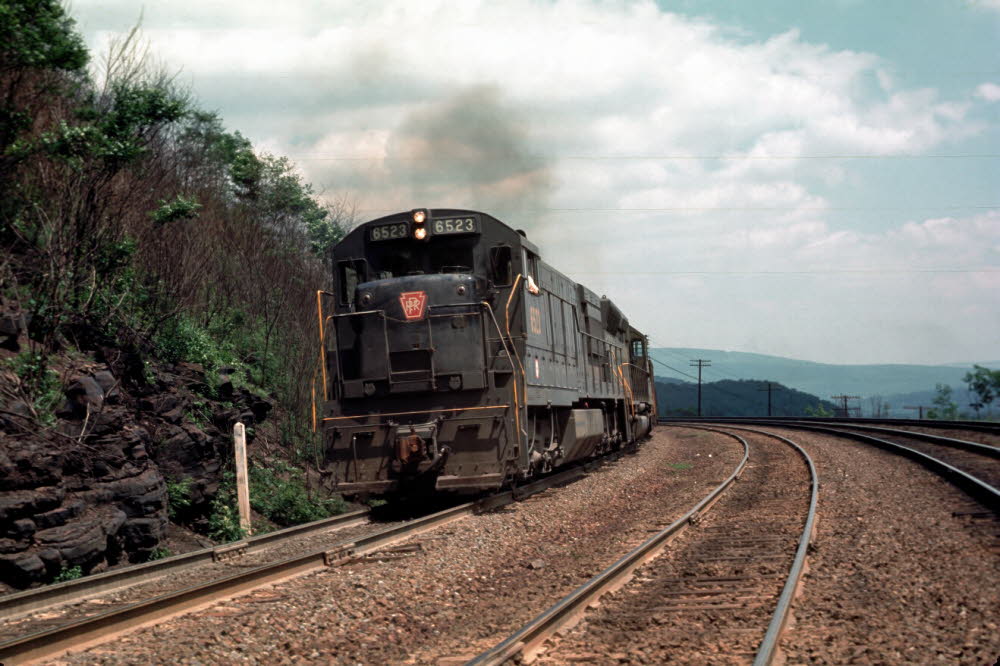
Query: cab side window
[350,274]
[501,268]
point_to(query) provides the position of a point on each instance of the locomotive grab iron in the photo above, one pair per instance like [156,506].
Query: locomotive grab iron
[454,358]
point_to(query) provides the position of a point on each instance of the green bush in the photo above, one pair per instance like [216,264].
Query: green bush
[71,573]
[178,497]
[39,384]
[224,520]
[180,339]
[278,492]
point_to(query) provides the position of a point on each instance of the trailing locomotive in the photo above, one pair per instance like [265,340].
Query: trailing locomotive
[454,358]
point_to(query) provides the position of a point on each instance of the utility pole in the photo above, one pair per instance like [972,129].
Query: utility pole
[844,410]
[700,363]
[920,410]
[770,387]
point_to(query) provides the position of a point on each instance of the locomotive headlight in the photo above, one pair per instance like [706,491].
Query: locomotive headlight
[420,233]
[419,216]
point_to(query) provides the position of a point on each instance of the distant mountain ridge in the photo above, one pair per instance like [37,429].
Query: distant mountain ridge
[820,379]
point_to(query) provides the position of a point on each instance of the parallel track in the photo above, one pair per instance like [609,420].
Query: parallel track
[530,639]
[979,426]
[88,631]
[20,603]
[970,466]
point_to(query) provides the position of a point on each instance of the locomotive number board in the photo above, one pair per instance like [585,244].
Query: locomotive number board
[392,231]
[467,224]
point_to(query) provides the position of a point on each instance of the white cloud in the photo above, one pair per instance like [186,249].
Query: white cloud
[989,91]
[523,107]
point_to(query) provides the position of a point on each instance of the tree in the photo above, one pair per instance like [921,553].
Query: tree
[819,411]
[944,408]
[984,385]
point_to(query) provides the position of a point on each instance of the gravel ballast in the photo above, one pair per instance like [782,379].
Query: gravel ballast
[708,598]
[467,586]
[894,577]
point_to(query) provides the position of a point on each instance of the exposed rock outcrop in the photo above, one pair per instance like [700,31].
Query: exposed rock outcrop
[90,491]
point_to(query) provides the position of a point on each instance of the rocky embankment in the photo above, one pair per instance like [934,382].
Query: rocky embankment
[87,486]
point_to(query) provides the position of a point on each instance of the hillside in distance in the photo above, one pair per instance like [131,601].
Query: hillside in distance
[820,379]
[734,398]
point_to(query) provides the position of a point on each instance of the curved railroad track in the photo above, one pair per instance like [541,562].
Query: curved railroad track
[987,427]
[973,466]
[740,574]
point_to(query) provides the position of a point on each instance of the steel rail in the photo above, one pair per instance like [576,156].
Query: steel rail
[19,603]
[974,447]
[976,487]
[86,632]
[988,427]
[530,637]
[769,645]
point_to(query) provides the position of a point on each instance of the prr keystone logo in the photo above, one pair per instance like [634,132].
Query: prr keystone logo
[413,303]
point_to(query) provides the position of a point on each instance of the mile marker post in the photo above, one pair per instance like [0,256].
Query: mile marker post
[242,481]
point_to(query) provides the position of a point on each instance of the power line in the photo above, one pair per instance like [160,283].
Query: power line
[680,372]
[765,209]
[863,271]
[328,157]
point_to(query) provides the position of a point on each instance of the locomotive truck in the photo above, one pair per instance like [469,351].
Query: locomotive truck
[455,359]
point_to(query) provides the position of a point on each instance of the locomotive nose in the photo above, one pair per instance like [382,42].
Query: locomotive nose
[418,333]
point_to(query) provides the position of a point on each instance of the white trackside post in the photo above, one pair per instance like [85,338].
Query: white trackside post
[242,480]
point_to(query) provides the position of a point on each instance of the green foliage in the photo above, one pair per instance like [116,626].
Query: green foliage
[39,384]
[110,138]
[96,183]
[819,411]
[160,553]
[71,573]
[278,492]
[181,339]
[199,414]
[178,497]
[224,520]
[38,33]
[180,208]
[944,408]
[984,385]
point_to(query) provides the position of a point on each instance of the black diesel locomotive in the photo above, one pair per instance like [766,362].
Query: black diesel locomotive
[454,358]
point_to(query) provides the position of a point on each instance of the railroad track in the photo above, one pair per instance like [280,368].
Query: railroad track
[37,641]
[981,461]
[991,428]
[971,466]
[742,575]
[20,603]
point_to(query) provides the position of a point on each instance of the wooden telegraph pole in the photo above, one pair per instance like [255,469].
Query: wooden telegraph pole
[770,387]
[701,363]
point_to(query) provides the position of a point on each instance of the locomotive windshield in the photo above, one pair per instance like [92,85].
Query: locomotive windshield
[407,257]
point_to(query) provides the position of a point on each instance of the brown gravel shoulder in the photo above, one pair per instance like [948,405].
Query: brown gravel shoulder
[472,583]
[894,576]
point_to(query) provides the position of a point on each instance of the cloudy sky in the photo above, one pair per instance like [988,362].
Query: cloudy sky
[816,180]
